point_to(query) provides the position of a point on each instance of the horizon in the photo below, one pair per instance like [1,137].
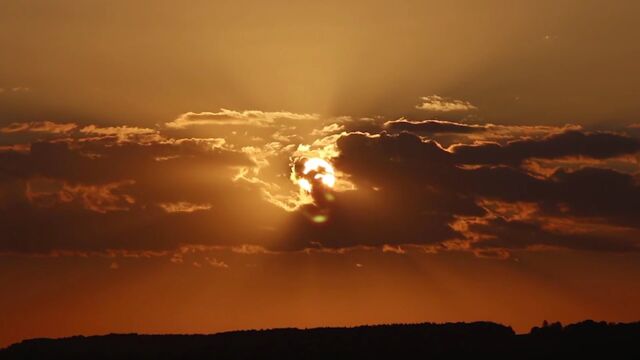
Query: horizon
[382,341]
[543,325]
[213,166]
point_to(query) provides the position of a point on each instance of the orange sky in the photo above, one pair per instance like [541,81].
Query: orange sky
[486,155]
[67,296]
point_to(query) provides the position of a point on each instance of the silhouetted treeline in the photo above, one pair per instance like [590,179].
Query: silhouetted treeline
[433,341]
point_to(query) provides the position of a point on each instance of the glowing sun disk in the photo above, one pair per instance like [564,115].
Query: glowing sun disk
[321,170]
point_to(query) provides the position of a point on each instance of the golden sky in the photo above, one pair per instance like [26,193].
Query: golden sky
[482,163]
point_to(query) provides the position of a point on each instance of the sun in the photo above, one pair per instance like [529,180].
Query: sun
[316,171]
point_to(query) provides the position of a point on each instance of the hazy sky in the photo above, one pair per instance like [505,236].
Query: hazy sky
[145,62]
[485,157]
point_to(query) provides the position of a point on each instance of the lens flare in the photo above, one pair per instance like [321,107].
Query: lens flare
[316,171]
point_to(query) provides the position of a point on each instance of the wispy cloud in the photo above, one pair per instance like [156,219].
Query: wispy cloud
[439,103]
[232,117]
[38,126]
[99,198]
[183,207]
[16,89]
[122,133]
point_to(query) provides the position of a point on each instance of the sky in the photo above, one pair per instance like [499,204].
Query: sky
[480,161]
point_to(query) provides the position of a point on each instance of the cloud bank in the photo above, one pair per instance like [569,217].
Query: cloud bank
[493,190]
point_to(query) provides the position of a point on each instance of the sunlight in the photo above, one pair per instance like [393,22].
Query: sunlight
[317,171]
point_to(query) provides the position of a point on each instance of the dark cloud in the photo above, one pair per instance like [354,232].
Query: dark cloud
[432,127]
[411,191]
[599,193]
[401,198]
[104,160]
[101,194]
[520,235]
[127,188]
[31,229]
[570,143]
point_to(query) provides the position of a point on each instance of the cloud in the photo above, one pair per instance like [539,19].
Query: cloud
[393,249]
[392,204]
[106,160]
[432,127]
[183,207]
[328,129]
[528,226]
[232,117]
[39,126]
[495,190]
[450,133]
[99,198]
[438,103]
[100,194]
[597,145]
[216,263]
[629,164]
[522,235]
[17,148]
[16,89]
[411,191]
[122,133]
[249,249]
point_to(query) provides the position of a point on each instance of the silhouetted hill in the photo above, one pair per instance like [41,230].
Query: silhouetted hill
[427,340]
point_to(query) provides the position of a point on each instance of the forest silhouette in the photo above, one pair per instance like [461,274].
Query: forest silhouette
[399,341]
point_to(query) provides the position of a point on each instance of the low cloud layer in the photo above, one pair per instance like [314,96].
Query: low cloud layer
[401,184]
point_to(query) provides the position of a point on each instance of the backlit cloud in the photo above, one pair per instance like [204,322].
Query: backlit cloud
[99,198]
[569,143]
[438,103]
[232,117]
[183,207]
[122,133]
[38,126]
[400,185]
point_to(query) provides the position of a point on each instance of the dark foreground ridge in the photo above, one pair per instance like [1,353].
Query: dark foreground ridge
[588,338]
